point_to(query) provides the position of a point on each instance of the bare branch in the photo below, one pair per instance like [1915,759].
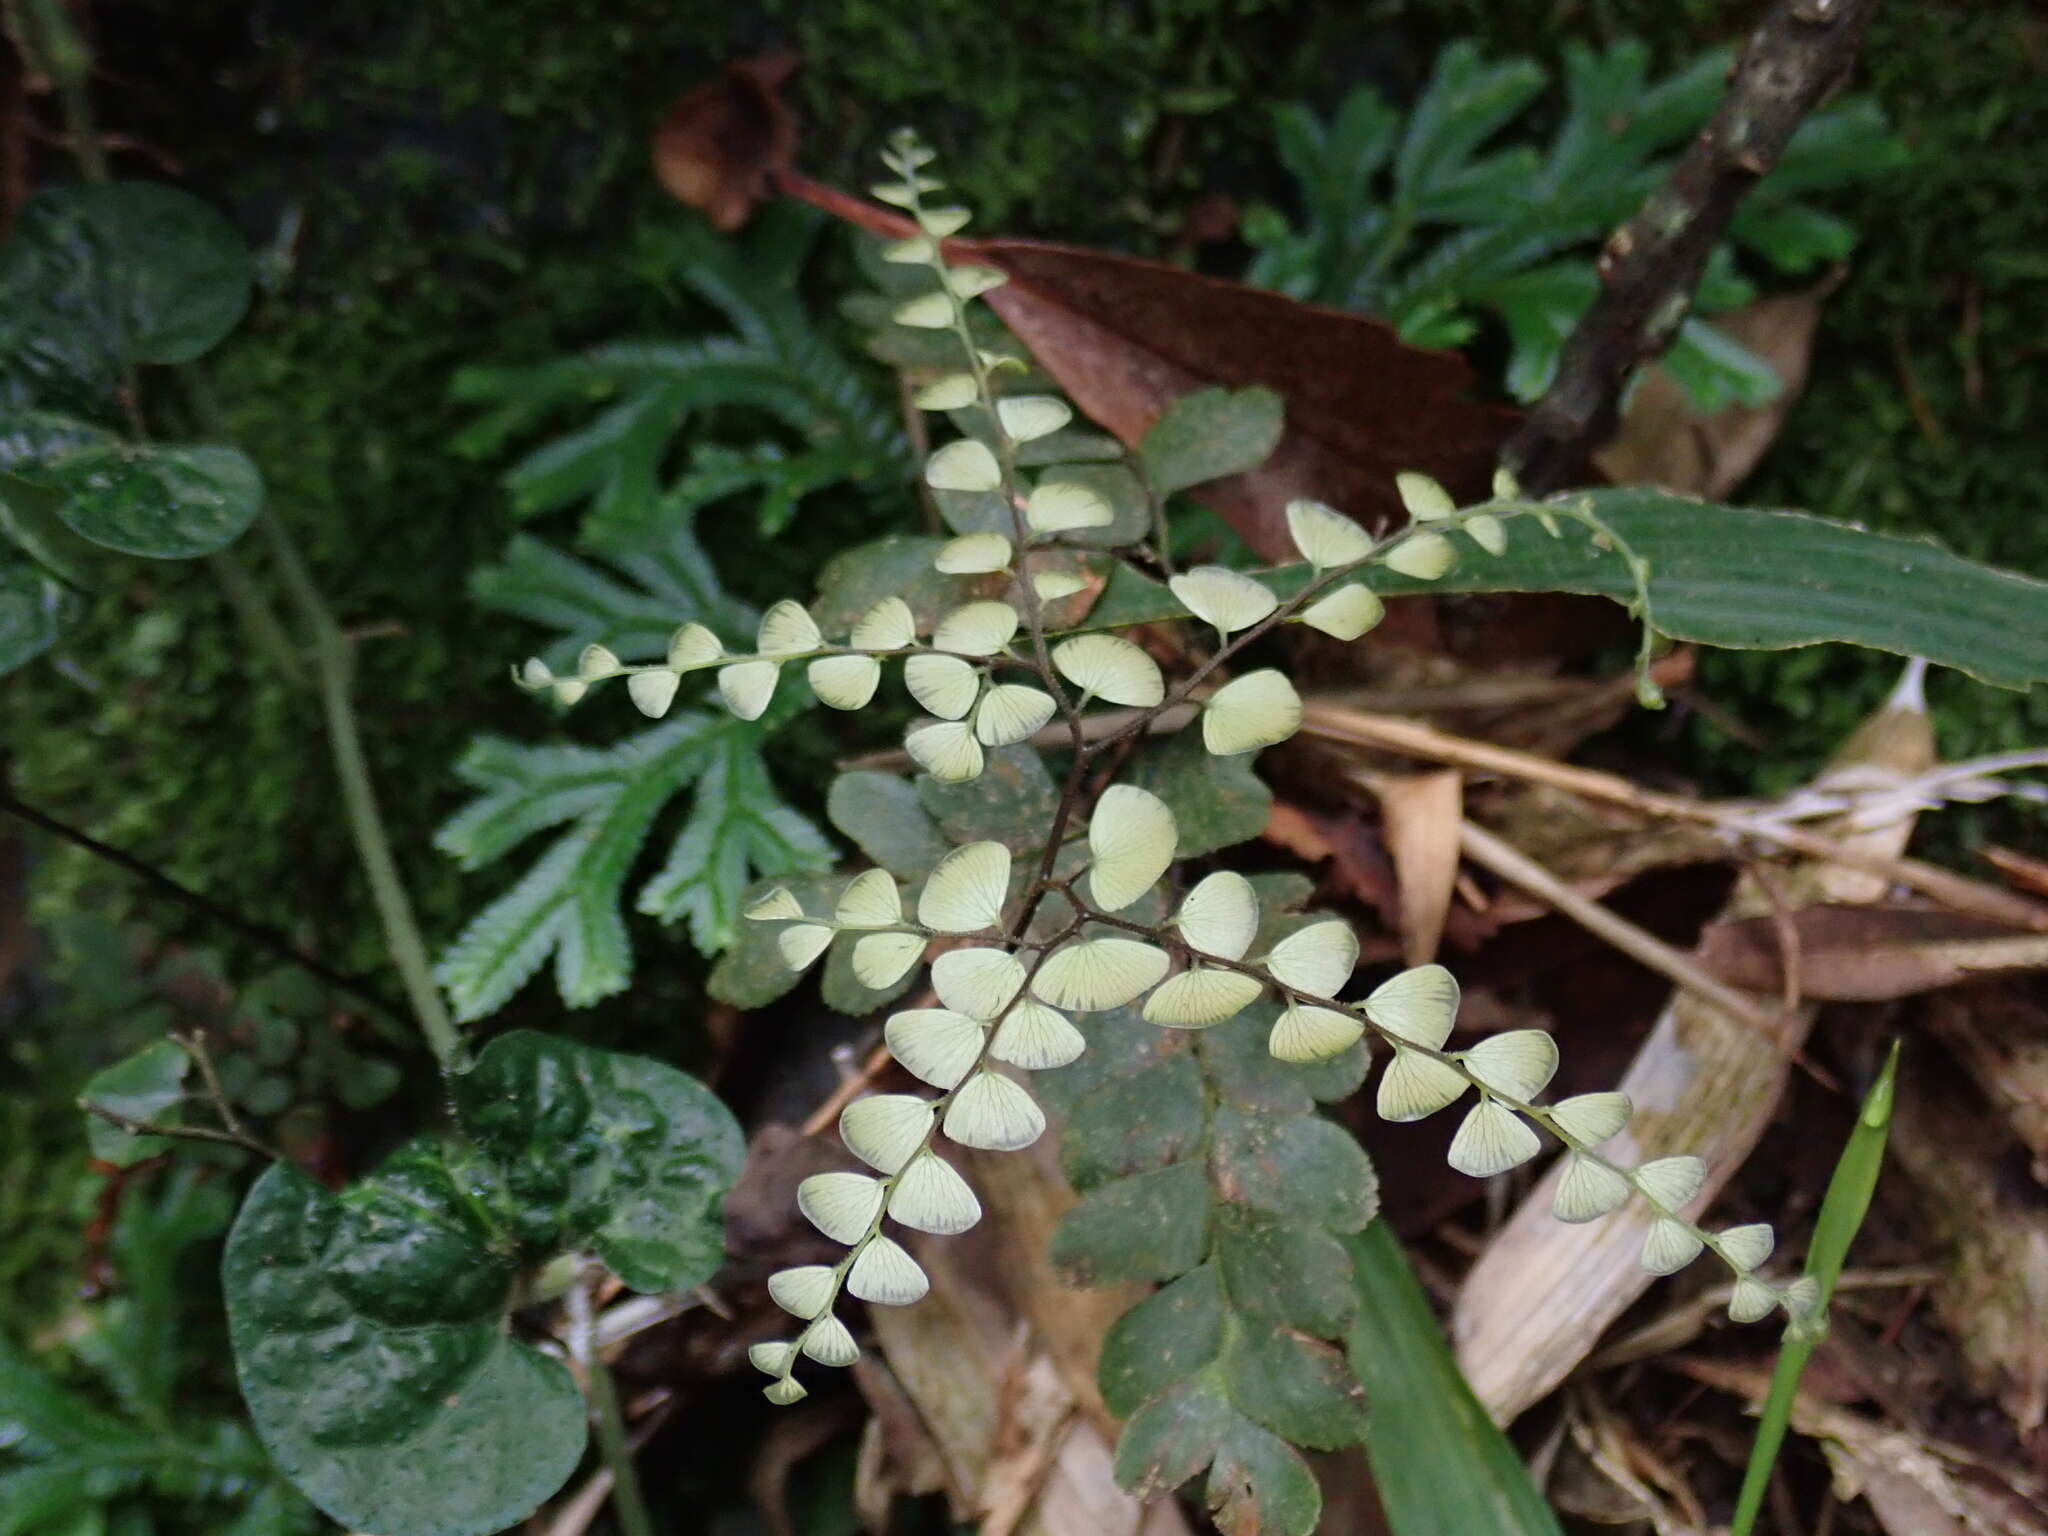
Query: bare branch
[1652,265]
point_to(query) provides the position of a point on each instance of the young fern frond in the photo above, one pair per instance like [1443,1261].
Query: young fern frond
[1077,913]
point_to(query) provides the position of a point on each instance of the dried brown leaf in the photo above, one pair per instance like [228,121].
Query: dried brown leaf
[1420,815]
[1868,954]
[1665,441]
[722,141]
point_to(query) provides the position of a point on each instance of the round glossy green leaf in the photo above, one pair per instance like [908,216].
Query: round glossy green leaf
[29,603]
[369,1337]
[168,502]
[620,1152]
[101,277]
[149,1085]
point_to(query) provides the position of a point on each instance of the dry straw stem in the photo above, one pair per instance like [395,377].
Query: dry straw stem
[1543,1294]
[1408,738]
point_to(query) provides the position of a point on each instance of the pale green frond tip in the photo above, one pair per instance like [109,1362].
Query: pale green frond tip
[787,629]
[693,646]
[1424,556]
[802,943]
[1587,1190]
[803,1292]
[965,464]
[1010,713]
[785,1390]
[1132,839]
[828,1342]
[1051,586]
[884,1274]
[886,1130]
[1491,1140]
[1516,1064]
[1036,1037]
[977,629]
[945,685]
[1426,501]
[1669,1246]
[934,1045]
[1111,669]
[1752,1300]
[965,893]
[653,692]
[748,686]
[1026,418]
[941,222]
[1305,1034]
[1325,536]
[1671,1181]
[1220,916]
[994,1113]
[1418,1006]
[1414,1086]
[1317,959]
[888,626]
[1202,996]
[971,281]
[870,900]
[930,1196]
[947,750]
[1487,532]
[1062,506]
[880,960]
[1089,975]
[951,393]
[927,312]
[1505,486]
[1222,598]
[1346,613]
[1588,1119]
[843,682]
[1801,1299]
[533,674]
[1746,1247]
[902,194]
[595,661]
[977,982]
[1260,709]
[916,250]
[773,1357]
[841,1205]
[776,904]
[973,554]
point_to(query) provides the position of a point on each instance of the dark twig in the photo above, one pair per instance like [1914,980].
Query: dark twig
[178,1132]
[259,934]
[1652,265]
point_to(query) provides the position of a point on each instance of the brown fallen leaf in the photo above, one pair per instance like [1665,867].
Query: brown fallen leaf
[1867,954]
[1420,815]
[1665,441]
[720,143]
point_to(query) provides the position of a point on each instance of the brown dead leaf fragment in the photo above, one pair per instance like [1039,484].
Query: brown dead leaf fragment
[1125,338]
[1666,442]
[720,144]
[1868,954]
[1421,813]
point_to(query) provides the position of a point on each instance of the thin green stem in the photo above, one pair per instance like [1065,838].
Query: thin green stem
[334,665]
[613,1447]
[259,618]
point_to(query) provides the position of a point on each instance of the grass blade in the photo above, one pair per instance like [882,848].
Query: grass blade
[1442,1466]
[1841,1214]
